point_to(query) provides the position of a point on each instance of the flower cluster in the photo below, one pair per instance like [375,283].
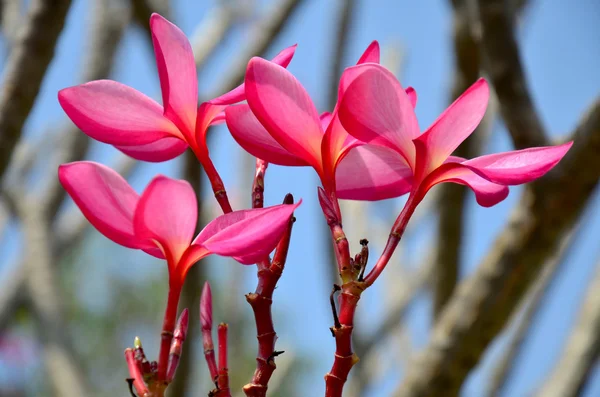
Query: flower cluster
[369,147]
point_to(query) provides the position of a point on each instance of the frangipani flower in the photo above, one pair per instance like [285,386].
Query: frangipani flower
[376,109]
[163,219]
[137,125]
[280,124]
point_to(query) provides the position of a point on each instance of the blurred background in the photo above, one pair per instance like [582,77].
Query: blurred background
[502,301]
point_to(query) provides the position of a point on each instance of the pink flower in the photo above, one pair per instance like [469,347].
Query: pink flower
[163,219]
[376,109]
[114,113]
[280,124]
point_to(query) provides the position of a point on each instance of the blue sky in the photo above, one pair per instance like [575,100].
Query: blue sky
[559,50]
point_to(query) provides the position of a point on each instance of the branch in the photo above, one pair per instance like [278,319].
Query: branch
[62,366]
[10,15]
[453,197]
[526,316]
[25,69]
[581,351]
[111,18]
[260,38]
[503,65]
[482,305]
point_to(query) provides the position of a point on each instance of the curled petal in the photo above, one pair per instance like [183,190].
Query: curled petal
[375,109]
[519,166]
[325,119]
[487,193]
[162,150]
[284,108]
[177,73]
[453,126]
[412,95]
[372,173]
[252,136]
[114,113]
[237,94]
[105,199]
[167,213]
[247,235]
[371,54]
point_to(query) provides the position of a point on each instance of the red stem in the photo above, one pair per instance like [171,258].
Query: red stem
[261,301]
[395,235]
[223,377]
[135,373]
[352,289]
[258,185]
[209,352]
[167,332]
[215,179]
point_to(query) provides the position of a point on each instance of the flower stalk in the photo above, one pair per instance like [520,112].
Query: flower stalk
[261,301]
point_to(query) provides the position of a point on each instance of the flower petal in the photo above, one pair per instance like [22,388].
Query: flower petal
[519,166]
[162,150]
[177,73]
[253,138]
[412,95]
[237,94]
[167,213]
[487,193]
[208,114]
[372,173]
[325,119]
[105,199]
[284,108]
[375,109]
[371,54]
[114,113]
[453,126]
[247,235]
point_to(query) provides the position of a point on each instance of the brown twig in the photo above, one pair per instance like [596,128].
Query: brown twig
[25,69]
[526,316]
[483,303]
[581,352]
[503,64]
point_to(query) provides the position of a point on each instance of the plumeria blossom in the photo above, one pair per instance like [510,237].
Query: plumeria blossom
[114,113]
[280,124]
[376,109]
[162,220]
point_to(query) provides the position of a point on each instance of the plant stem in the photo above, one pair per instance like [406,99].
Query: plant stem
[215,179]
[261,301]
[167,333]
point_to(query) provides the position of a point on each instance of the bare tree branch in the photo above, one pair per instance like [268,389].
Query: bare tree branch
[503,65]
[260,39]
[581,352]
[10,15]
[453,197]
[525,317]
[26,68]
[62,366]
[482,304]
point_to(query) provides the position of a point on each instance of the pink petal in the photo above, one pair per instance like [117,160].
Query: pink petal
[371,54]
[208,114]
[253,138]
[177,73]
[247,235]
[237,94]
[372,173]
[162,150]
[452,127]
[336,144]
[519,166]
[114,113]
[105,199]
[487,193]
[167,213]
[284,108]
[412,95]
[325,119]
[376,109]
